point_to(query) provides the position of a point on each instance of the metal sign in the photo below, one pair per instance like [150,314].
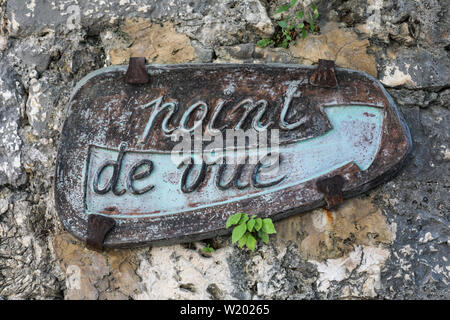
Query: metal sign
[166,153]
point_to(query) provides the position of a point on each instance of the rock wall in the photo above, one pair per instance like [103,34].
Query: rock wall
[392,242]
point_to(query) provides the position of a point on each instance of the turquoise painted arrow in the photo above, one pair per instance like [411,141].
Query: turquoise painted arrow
[355,137]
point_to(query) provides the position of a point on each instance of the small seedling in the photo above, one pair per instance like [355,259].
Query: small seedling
[208,249]
[248,230]
[265,42]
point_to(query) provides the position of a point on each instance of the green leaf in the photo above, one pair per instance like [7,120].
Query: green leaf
[244,218]
[300,14]
[315,11]
[268,226]
[251,224]
[208,249]
[258,224]
[253,216]
[304,32]
[301,25]
[283,9]
[264,42]
[311,23]
[234,219]
[242,241]
[251,242]
[263,236]
[238,232]
[293,2]
[282,24]
[316,14]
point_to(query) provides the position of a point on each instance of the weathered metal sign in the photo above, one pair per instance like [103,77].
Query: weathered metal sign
[312,136]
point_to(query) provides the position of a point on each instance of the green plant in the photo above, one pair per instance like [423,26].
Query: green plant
[208,249]
[292,25]
[265,42]
[248,230]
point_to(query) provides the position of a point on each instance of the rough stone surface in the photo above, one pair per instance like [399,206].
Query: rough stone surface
[327,234]
[12,102]
[139,38]
[42,97]
[339,44]
[211,22]
[418,68]
[391,243]
[250,53]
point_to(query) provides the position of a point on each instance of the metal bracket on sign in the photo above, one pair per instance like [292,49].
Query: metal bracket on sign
[136,73]
[324,76]
[98,227]
[332,190]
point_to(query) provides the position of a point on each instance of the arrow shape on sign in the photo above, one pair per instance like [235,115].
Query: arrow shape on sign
[355,137]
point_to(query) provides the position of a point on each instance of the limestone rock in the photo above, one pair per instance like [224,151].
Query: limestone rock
[330,234]
[87,271]
[217,22]
[367,260]
[42,98]
[417,68]
[203,54]
[35,54]
[4,204]
[27,268]
[250,53]
[227,22]
[341,45]
[176,272]
[445,98]
[421,98]
[3,42]
[12,103]
[157,43]
[280,272]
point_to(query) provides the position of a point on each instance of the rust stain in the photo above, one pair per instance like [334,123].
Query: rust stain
[329,215]
[357,222]
[110,210]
